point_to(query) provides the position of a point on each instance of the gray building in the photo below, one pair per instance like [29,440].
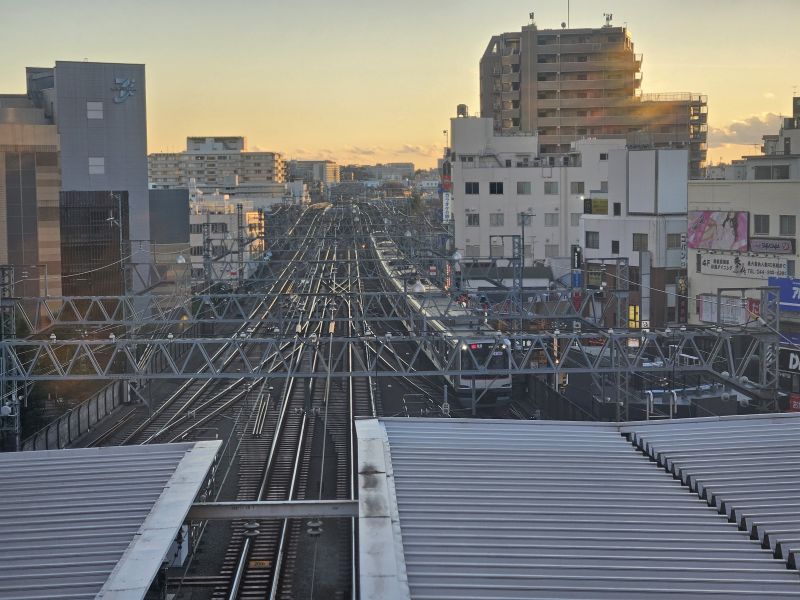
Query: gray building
[99,110]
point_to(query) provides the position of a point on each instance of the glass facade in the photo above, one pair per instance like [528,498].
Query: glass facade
[94,239]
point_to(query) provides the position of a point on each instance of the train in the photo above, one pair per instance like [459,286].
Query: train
[447,324]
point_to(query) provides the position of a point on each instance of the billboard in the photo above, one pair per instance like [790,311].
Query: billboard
[772,245]
[718,230]
[789,295]
[742,265]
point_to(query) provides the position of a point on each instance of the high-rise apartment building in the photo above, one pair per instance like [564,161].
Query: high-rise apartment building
[219,164]
[569,84]
[314,171]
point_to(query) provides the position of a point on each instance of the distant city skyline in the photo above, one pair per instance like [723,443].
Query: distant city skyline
[359,82]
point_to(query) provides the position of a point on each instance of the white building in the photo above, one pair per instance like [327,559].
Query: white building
[217,214]
[741,233]
[644,210]
[219,164]
[498,177]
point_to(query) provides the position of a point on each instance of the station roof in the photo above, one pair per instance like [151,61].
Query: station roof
[94,522]
[468,509]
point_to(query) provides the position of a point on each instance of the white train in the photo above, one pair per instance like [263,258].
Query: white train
[461,338]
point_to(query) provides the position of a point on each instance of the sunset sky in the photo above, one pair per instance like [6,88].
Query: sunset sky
[363,81]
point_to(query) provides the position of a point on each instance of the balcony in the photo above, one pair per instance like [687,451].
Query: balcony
[583,102]
[584,84]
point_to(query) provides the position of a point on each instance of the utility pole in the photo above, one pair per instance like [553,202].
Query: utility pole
[240,243]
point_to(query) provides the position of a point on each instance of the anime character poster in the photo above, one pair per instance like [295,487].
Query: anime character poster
[718,230]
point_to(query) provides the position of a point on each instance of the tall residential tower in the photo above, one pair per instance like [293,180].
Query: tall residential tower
[570,84]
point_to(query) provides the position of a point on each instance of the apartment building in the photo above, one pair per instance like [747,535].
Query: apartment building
[314,171]
[219,163]
[569,84]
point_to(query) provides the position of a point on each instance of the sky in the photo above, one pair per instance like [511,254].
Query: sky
[366,81]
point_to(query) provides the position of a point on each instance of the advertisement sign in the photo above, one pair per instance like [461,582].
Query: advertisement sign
[789,294]
[684,252]
[733,311]
[741,265]
[595,206]
[789,360]
[718,230]
[794,402]
[447,201]
[772,245]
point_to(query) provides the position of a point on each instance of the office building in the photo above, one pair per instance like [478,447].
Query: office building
[742,231]
[219,165]
[99,110]
[500,182]
[634,237]
[314,171]
[217,243]
[30,239]
[569,84]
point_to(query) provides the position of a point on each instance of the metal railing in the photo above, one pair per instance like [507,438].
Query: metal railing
[61,432]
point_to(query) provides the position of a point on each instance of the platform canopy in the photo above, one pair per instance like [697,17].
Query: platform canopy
[94,522]
[499,509]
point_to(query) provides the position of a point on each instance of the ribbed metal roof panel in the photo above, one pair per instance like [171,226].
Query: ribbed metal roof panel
[549,510]
[746,467]
[91,522]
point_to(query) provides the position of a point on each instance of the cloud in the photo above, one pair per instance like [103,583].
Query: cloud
[420,150]
[746,131]
[768,95]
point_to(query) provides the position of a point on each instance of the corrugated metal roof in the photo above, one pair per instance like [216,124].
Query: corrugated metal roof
[468,509]
[93,522]
[744,466]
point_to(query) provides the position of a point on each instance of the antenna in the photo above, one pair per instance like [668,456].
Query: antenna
[608,17]
[530,14]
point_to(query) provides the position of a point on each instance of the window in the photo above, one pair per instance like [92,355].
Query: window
[673,241]
[787,224]
[496,187]
[527,250]
[790,268]
[472,250]
[524,188]
[471,187]
[614,246]
[604,186]
[473,220]
[698,262]
[550,250]
[617,209]
[524,218]
[551,219]
[551,187]
[575,219]
[604,156]
[496,250]
[94,110]
[761,224]
[639,241]
[576,187]
[592,240]
[496,219]
[97,165]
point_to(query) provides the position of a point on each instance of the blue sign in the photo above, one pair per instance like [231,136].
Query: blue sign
[789,294]
[577,279]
